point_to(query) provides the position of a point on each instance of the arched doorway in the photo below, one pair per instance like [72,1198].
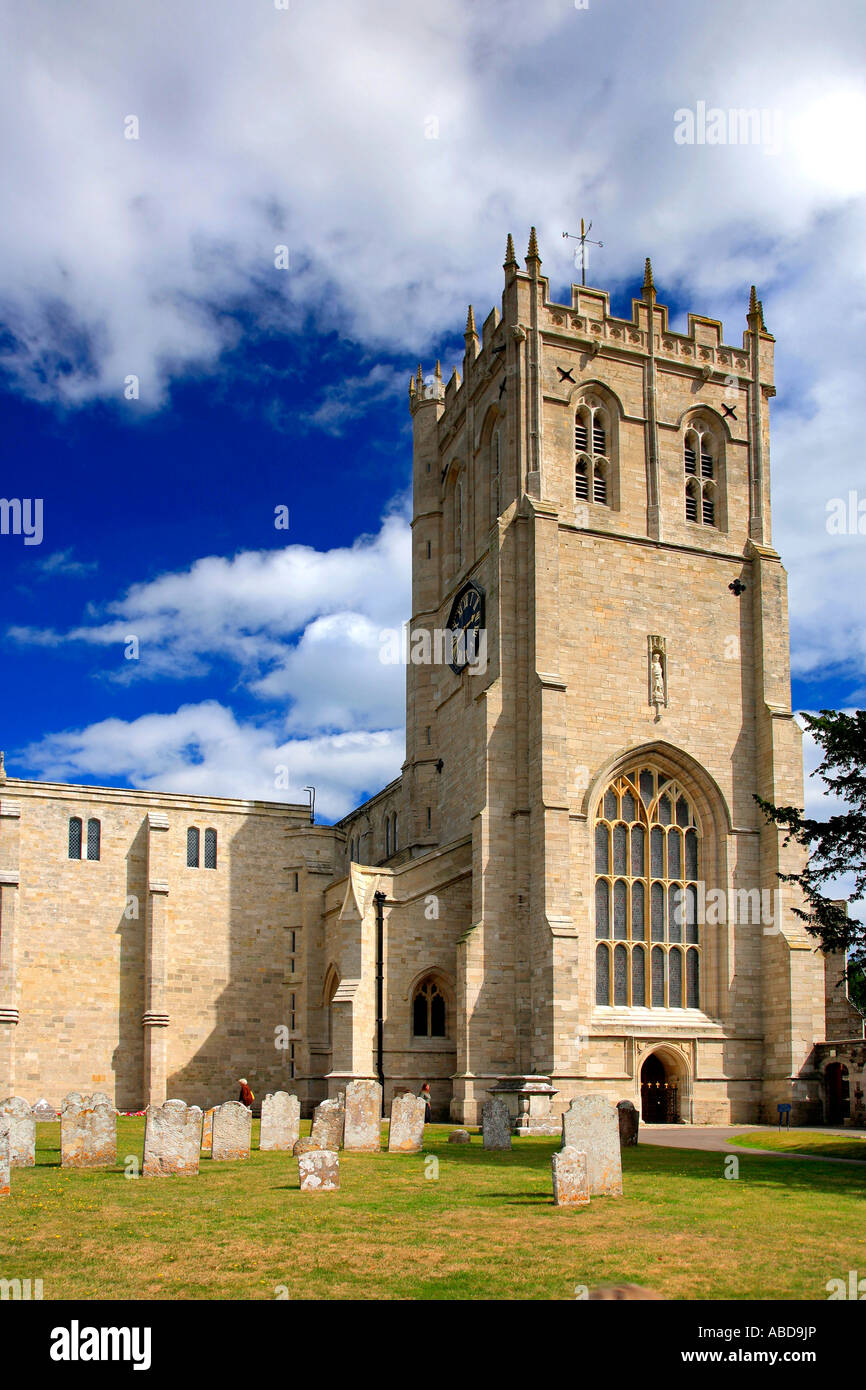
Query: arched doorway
[837,1092]
[659,1092]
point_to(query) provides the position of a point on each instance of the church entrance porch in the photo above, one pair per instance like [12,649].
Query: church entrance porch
[659,1092]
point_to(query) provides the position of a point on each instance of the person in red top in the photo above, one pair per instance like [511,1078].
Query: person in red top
[246,1096]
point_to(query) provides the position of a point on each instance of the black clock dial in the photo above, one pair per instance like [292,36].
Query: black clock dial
[467,616]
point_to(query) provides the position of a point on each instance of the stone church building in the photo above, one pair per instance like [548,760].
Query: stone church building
[569,888]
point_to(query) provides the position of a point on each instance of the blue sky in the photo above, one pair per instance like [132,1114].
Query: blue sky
[390,159]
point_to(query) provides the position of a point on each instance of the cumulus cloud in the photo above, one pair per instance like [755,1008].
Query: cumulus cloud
[298,623]
[204,749]
[390,157]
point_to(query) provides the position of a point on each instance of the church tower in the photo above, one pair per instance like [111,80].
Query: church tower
[593,494]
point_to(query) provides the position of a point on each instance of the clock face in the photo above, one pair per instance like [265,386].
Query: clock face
[467,616]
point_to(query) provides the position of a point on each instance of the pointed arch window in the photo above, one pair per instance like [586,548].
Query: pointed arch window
[428,1010]
[592,466]
[192,847]
[701,468]
[75,837]
[210,849]
[94,839]
[458,522]
[647,891]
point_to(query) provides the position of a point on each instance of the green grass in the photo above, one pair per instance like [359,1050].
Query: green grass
[803,1141]
[485,1229]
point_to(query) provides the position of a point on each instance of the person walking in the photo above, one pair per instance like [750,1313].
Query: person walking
[246,1096]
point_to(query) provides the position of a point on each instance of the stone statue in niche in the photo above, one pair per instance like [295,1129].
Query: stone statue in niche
[658,685]
[658,679]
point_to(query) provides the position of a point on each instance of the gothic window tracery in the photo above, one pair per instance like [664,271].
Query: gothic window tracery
[592,466]
[647,867]
[701,467]
[428,1010]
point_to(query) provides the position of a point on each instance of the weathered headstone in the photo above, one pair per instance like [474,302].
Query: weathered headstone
[459,1136]
[590,1124]
[570,1185]
[172,1139]
[22,1132]
[319,1170]
[281,1121]
[5,1161]
[406,1131]
[304,1146]
[363,1121]
[232,1131]
[629,1122]
[328,1121]
[207,1129]
[495,1125]
[43,1111]
[88,1132]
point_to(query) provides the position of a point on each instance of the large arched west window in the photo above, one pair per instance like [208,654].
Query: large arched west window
[647,883]
[428,1010]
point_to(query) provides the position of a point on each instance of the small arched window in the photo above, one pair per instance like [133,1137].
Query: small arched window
[591,444]
[75,837]
[700,464]
[387,836]
[210,849]
[428,1010]
[458,523]
[394,832]
[192,848]
[93,839]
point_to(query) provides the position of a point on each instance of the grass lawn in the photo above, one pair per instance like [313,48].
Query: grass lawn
[485,1228]
[804,1141]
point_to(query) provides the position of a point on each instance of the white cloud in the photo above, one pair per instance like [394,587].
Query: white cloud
[299,624]
[63,563]
[310,127]
[203,749]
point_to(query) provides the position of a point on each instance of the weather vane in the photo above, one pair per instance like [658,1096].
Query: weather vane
[584,238]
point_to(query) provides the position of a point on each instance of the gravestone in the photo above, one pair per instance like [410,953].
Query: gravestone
[363,1117]
[406,1131]
[22,1132]
[43,1111]
[232,1131]
[281,1121]
[459,1136]
[591,1125]
[570,1185]
[328,1119]
[319,1170]
[88,1132]
[172,1139]
[304,1146]
[5,1162]
[207,1129]
[629,1123]
[495,1125]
